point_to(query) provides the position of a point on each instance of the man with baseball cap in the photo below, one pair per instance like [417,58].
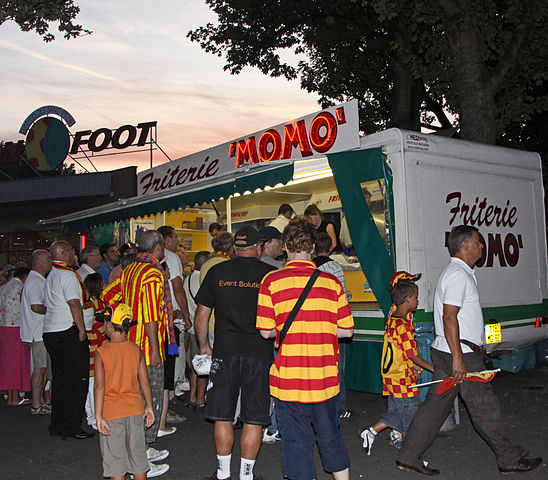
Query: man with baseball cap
[241,358]
[271,241]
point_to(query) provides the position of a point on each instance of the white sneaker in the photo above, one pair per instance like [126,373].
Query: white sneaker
[269,439]
[396,439]
[154,455]
[163,433]
[157,469]
[368,439]
[185,386]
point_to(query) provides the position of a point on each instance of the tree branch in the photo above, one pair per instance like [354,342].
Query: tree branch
[508,60]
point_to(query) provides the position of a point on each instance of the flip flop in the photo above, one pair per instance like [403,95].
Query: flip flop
[190,404]
[24,401]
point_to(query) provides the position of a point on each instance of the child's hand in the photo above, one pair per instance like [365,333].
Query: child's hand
[148,416]
[417,370]
[102,426]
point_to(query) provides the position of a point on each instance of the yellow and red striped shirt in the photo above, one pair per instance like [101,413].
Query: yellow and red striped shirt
[306,367]
[141,286]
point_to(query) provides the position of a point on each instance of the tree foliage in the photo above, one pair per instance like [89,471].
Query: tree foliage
[38,14]
[407,61]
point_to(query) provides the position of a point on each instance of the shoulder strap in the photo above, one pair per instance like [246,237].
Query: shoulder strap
[190,291]
[298,306]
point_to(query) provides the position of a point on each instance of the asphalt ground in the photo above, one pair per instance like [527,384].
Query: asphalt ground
[28,452]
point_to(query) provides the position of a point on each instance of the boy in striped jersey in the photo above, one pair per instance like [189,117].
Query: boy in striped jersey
[304,377]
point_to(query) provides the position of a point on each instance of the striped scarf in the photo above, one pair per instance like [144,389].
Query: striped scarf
[168,304]
[63,266]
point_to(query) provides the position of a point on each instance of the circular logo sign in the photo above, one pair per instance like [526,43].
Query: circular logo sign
[47,144]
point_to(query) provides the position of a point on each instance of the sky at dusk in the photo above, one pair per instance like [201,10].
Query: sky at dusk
[138,66]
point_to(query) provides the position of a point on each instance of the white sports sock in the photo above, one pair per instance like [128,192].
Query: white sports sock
[372,431]
[223,466]
[246,469]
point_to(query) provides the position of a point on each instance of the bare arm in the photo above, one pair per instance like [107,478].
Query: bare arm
[201,321]
[180,297]
[268,333]
[344,332]
[421,362]
[331,232]
[40,309]
[151,329]
[147,391]
[78,317]
[452,335]
[99,394]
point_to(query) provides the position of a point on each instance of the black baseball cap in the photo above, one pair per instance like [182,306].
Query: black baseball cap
[268,233]
[246,237]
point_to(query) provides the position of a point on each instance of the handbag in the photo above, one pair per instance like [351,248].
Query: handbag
[297,306]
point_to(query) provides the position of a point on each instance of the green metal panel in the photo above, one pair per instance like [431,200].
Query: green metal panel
[363,366]
[350,169]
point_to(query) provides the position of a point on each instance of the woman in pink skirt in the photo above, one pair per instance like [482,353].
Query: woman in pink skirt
[14,356]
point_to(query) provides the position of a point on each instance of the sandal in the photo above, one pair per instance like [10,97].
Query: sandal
[24,401]
[173,417]
[190,404]
[38,410]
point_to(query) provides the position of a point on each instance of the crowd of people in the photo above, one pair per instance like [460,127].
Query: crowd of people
[111,330]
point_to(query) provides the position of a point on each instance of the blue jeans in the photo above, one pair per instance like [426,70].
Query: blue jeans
[297,423]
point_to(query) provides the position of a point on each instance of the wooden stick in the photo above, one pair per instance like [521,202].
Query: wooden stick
[439,381]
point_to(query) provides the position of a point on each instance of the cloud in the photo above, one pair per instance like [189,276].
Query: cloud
[69,66]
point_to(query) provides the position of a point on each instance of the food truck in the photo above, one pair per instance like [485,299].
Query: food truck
[396,194]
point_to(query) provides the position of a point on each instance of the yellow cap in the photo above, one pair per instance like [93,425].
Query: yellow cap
[119,312]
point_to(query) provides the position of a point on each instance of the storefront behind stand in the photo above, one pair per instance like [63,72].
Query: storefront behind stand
[297,181]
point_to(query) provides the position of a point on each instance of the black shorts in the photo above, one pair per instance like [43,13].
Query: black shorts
[230,374]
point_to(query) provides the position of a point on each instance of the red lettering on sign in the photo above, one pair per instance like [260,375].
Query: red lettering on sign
[295,136]
[321,137]
[507,252]
[270,146]
[326,123]
[247,152]
[480,212]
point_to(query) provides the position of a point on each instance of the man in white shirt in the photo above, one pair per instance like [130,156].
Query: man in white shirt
[67,344]
[285,212]
[457,349]
[33,310]
[91,261]
[180,316]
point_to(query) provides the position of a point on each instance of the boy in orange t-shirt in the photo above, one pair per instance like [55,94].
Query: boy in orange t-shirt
[120,370]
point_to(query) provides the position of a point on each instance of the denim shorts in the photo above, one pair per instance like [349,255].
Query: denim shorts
[302,423]
[400,412]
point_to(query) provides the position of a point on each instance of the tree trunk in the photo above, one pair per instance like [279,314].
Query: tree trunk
[407,93]
[473,83]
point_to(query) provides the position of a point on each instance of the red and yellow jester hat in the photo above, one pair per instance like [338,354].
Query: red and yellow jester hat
[403,275]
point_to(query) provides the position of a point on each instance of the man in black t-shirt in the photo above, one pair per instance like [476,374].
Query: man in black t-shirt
[241,358]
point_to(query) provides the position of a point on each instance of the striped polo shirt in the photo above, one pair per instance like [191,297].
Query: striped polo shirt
[141,286]
[305,369]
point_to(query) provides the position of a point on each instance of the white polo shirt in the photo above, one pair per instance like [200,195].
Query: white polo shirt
[175,270]
[457,286]
[61,286]
[84,271]
[33,293]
